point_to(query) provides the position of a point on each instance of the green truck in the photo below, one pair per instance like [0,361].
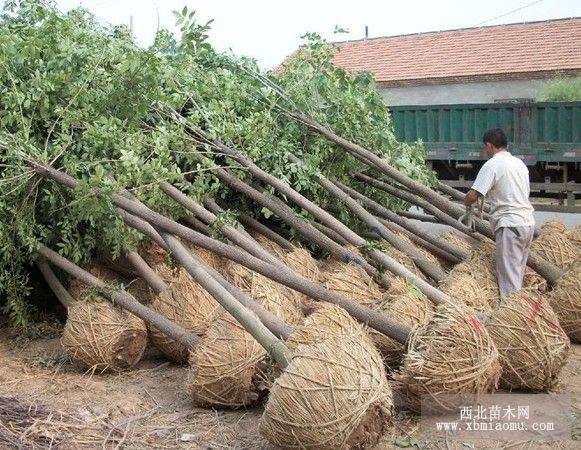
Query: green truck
[546,136]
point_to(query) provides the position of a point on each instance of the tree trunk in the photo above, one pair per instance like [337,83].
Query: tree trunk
[238,238]
[418,216]
[250,322]
[146,272]
[285,213]
[123,299]
[282,274]
[197,224]
[423,264]
[370,158]
[433,249]
[450,252]
[272,322]
[331,234]
[547,270]
[142,226]
[253,224]
[54,283]
[418,201]
[454,193]
[300,200]
[211,205]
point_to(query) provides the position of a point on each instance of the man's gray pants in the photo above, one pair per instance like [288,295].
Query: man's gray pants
[512,251]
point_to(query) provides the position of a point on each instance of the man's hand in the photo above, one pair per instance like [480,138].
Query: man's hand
[467,219]
[471,198]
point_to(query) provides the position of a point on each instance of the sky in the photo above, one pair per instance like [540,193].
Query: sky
[270,30]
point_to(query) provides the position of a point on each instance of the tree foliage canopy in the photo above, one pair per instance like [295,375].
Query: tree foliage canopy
[85,98]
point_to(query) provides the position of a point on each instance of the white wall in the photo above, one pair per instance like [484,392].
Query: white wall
[482,92]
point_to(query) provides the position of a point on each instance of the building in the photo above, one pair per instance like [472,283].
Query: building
[472,65]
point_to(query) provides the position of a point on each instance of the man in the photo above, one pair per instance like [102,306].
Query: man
[504,181]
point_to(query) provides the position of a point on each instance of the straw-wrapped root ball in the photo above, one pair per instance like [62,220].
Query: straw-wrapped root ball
[327,320]
[301,261]
[154,255]
[532,346]
[533,281]
[101,337]
[425,253]
[458,240]
[333,394]
[405,260]
[555,248]
[351,281]
[228,367]
[574,236]
[474,283]
[355,251]
[269,245]
[186,303]
[279,300]
[553,226]
[565,299]
[216,262]
[453,354]
[409,307]
[98,335]
[276,298]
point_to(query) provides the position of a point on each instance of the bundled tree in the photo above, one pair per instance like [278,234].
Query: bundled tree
[85,98]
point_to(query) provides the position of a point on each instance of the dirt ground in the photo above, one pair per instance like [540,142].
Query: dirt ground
[149,408]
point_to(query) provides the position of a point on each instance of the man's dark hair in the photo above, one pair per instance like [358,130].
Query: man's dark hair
[496,137]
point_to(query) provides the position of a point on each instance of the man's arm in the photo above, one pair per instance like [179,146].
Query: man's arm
[471,198]
[483,183]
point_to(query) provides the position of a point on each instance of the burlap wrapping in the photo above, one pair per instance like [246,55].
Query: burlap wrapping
[333,395]
[532,346]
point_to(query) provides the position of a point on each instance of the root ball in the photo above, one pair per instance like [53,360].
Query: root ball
[153,254]
[453,354]
[532,346]
[554,226]
[269,245]
[333,394]
[565,300]
[555,248]
[458,240]
[276,298]
[301,261]
[407,307]
[574,237]
[325,321]
[228,367]
[216,262]
[101,337]
[351,281]
[429,256]
[473,282]
[404,260]
[185,303]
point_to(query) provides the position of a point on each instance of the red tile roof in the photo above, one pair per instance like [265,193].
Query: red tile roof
[525,50]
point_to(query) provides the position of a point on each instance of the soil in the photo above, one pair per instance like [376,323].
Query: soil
[148,407]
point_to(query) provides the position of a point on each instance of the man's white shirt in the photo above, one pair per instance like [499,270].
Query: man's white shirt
[504,181]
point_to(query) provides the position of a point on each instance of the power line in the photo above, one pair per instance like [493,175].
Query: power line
[509,13]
